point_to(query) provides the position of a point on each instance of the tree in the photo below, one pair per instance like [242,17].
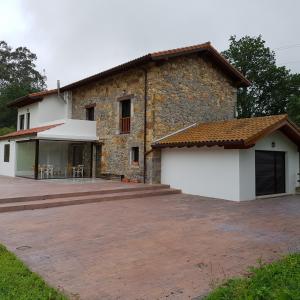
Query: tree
[293,109]
[272,87]
[18,77]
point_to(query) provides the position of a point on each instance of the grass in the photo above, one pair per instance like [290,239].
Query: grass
[17,282]
[279,280]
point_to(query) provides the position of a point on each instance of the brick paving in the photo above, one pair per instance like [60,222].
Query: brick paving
[19,187]
[170,247]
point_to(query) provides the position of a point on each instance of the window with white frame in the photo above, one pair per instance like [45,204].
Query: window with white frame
[6,152]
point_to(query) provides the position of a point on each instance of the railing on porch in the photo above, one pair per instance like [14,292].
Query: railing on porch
[125,125]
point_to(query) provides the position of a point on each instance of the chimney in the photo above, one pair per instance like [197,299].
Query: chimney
[58,92]
[58,88]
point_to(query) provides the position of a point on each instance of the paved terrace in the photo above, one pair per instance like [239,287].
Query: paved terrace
[167,247]
[20,187]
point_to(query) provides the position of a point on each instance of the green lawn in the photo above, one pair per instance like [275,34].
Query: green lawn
[17,282]
[279,280]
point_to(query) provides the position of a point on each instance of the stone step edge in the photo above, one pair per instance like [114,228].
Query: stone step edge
[87,200]
[79,194]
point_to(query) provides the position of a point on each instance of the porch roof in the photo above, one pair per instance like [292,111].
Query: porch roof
[28,132]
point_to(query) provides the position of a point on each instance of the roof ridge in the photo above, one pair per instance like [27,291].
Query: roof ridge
[240,79]
[163,52]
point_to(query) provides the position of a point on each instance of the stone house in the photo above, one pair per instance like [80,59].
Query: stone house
[138,102]
[166,117]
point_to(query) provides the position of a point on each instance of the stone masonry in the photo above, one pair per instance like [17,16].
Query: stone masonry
[181,91]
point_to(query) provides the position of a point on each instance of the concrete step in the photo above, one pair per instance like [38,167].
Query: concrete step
[57,202]
[86,193]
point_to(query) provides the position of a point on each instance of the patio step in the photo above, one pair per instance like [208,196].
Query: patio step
[66,201]
[86,193]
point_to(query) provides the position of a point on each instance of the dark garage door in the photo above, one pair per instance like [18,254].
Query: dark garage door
[269,172]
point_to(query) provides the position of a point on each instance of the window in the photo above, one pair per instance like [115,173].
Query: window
[6,152]
[21,122]
[125,116]
[135,155]
[28,120]
[90,113]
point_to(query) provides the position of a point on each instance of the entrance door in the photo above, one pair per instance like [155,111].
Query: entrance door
[269,172]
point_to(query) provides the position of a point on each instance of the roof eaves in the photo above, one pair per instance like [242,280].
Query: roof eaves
[108,72]
[271,128]
[245,82]
[225,143]
[31,98]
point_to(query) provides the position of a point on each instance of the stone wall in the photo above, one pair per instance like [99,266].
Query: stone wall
[115,154]
[181,91]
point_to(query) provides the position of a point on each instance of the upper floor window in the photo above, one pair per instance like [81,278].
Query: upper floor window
[125,111]
[90,112]
[6,152]
[28,120]
[21,122]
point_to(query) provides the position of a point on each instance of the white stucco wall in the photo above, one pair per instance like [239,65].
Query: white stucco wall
[209,172]
[33,109]
[7,168]
[51,108]
[247,163]
[77,130]
[226,174]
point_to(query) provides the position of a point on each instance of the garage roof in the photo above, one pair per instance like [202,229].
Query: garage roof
[236,133]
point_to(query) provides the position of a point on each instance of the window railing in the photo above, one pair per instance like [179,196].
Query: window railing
[125,125]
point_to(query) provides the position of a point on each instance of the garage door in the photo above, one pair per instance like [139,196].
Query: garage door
[269,172]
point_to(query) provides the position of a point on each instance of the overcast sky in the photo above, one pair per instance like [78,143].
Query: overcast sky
[77,38]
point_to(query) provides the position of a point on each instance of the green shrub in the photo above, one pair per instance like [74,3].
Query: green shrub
[279,280]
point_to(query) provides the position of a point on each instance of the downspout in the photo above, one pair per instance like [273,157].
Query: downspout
[145,121]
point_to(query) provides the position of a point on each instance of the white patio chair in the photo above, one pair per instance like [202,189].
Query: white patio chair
[78,171]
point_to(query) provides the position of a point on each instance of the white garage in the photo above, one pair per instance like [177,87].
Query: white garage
[239,159]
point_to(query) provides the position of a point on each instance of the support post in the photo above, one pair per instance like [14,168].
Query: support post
[36,164]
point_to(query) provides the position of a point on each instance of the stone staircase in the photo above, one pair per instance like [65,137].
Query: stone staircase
[76,198]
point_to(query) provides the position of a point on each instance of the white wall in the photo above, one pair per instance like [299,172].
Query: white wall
[247,174]
[79,130]
[209,172]
[7,168]
[247,163]
[51,108]
[33,109]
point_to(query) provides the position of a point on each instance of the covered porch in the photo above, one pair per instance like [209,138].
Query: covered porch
[67,150]
[48,159]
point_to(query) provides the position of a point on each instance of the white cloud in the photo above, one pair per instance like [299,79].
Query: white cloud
[74,39]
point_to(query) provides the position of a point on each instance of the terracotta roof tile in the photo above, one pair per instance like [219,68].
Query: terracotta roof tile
[243,132]
[238,77]
[30,98]
[27,132]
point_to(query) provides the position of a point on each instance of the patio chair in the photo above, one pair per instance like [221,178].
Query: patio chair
[78,171]
[49,171]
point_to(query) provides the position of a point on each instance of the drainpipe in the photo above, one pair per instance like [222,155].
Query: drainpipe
[145,121]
